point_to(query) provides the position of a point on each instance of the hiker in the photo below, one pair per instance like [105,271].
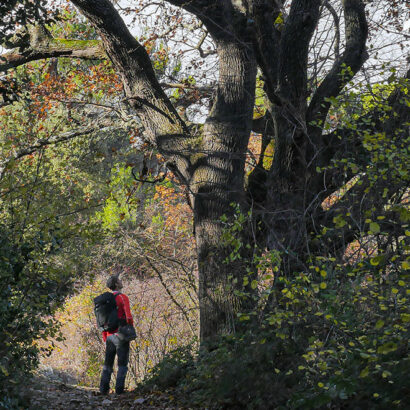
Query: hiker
[113,344]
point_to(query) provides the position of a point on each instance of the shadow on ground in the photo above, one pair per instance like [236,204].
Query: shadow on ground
[45,393]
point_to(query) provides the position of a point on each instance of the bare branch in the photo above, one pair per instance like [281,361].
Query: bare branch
[198,47]
[187,86]
[153,181]
[337,27]
[177,304]
[346,66]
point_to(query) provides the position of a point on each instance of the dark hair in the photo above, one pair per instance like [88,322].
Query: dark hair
[112,282]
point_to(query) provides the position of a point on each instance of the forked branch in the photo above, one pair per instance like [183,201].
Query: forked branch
[344,67]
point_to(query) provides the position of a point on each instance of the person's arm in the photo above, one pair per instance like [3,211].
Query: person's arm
[126,304]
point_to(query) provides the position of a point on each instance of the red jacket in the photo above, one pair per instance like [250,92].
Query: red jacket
[124,312]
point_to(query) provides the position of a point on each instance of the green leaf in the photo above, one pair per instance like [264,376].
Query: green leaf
[405,317]
[4,370]
[376,260]
[374,228]
[339,221]
[387,348]
[364,372]
[379,324]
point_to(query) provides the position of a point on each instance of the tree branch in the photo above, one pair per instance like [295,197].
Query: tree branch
[176,303]
[294,47]
[36,43]
[363,196]
[337,27]
[267,39]
[162,124]
[344,67]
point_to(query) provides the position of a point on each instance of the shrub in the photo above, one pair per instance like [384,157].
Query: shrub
[335,335]
[28,297]
[171,370]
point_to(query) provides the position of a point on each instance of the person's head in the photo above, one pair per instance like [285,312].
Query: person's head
[114,283]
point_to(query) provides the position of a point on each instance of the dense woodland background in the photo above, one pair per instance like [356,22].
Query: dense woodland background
[243,165]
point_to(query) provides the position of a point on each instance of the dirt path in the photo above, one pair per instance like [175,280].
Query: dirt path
[46,394]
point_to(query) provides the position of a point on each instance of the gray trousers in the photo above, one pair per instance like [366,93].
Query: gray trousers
[115,347]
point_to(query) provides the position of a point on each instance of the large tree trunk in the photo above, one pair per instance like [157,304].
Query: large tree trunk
[218,183]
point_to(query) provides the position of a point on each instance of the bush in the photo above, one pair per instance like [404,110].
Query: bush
[171,370]
[335,336]
[28,297]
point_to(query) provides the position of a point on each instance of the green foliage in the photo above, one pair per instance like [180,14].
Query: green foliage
[260,106]
[172,369]
[29,295]
[71,25]
[334,336]
[47,200]
[119,206]
[94,363]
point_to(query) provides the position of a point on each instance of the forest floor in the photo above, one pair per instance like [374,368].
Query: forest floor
[46,394]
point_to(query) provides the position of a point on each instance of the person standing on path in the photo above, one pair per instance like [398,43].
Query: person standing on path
[113,344]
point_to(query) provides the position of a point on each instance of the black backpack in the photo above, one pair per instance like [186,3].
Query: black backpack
[106,312]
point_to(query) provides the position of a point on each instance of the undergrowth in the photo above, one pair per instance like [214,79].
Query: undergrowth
[331,338]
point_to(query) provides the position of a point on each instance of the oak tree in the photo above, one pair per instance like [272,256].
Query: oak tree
[280,45]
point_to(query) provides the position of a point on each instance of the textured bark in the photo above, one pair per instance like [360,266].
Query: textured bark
[162,124]
[294,47]
[131,60]
[292,186]
[218,181]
